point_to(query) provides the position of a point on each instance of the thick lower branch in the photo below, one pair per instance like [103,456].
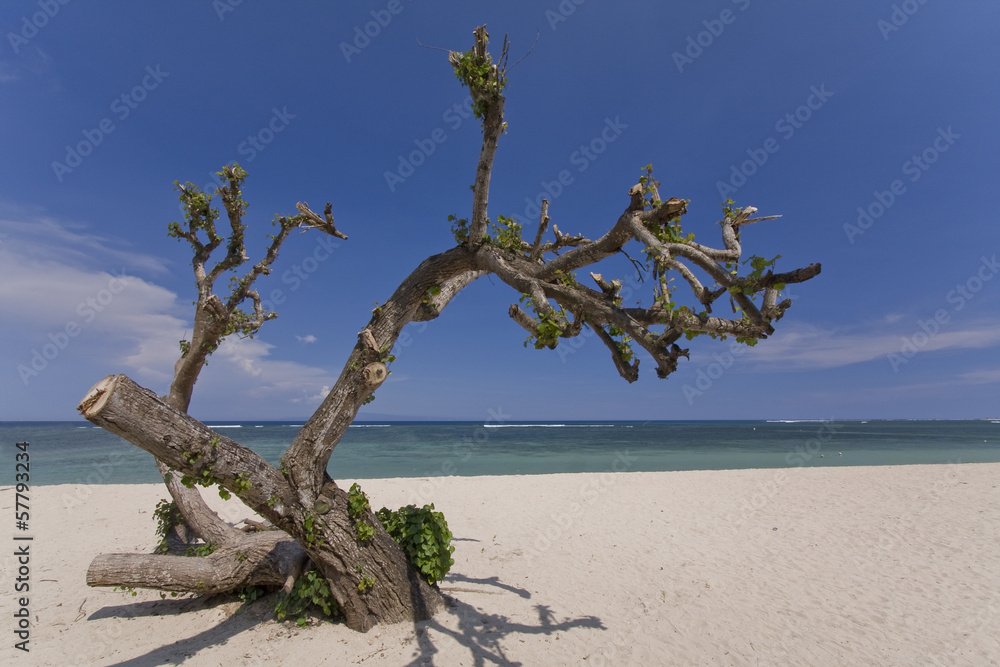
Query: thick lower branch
[309,453]
[119,405]
[265,559]
[433,304]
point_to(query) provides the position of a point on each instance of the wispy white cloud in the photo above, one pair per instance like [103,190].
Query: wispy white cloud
[807,347]
[307,339]
[242,369]
[43,238]
[30,60]
[128,323]
[315,399]
[51,294]
[982,376]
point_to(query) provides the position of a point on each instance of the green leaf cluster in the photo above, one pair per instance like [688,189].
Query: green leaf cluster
[431,292]
[730,210]
[357,502]
[567,279]
[751,283]
[242,483]
[250,593]
[459,228]
[358,508]
[366,583]
[202,549]
[166,515]
[309,523]
[549,326]
[622,342]
[505,233]
[364,531]
[198,212]
[385,354]
[424,536]
[759,264]
[206,479]
[483,79]
[650,187]
[311,590]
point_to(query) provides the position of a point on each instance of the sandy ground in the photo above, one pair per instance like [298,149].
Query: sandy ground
[833,566]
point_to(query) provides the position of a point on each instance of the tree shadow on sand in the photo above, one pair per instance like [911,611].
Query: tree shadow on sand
[249,616]
[482,632]
[166,607]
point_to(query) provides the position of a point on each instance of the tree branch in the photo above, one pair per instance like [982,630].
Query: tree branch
[309,453]
[122,407]
[265,559]
[485,81]
[543,223]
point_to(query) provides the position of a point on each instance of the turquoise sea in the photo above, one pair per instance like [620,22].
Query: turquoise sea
[80,453]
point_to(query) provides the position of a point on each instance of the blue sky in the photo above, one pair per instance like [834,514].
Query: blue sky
[869,126]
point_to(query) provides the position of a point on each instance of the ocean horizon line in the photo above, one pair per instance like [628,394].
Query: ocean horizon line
[239,423]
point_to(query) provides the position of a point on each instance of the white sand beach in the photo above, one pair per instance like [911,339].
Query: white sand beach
[834,566]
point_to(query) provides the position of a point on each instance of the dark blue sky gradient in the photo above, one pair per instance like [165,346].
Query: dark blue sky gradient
[330,120]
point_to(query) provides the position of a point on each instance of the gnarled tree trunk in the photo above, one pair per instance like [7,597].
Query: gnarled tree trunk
[323,530]
[370,577]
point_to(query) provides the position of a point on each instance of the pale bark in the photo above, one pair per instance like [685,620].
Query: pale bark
[120,406]
[265,559]
[308,511]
